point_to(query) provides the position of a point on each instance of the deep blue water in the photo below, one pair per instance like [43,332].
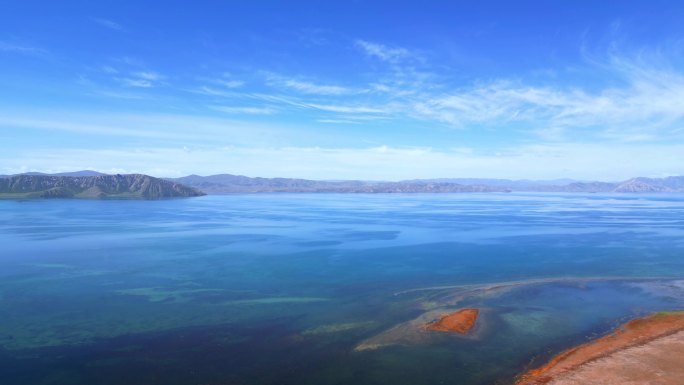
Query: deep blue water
[280,288]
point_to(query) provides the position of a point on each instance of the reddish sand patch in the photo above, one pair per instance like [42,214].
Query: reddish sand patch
[457,322]
[634,333]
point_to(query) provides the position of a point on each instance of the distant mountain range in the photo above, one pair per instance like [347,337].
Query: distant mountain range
[75,173]
[93,184]
[227,183]
[86,185]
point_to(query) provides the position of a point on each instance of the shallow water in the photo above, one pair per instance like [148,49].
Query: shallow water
[280,288]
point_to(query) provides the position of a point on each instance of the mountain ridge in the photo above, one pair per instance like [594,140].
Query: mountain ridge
[127,186]
[71,173]
[229,183]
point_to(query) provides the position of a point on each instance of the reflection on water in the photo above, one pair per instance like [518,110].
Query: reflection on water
[264,289]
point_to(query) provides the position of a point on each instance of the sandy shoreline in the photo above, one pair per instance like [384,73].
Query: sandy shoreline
[648,350]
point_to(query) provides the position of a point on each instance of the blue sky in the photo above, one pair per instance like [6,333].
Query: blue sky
[344,90]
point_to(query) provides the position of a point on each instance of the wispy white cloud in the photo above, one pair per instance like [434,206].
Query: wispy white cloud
[338,121]
[345,108]
[309,87]
[141,79]
[132,82]
[109,70]
[108,24]
[644,102]
[244,110]
[300,103]
[205,90]
[649,100]
[230,83]
[148,75]
[149,126]
[25,49]
[119,95]
[70,125]
[383,52]
[224,80]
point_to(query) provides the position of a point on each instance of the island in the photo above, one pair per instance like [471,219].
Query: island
[128,186]
[460,322]
[642,351]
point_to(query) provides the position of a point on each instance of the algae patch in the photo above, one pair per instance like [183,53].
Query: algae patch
[337,328]
[530,322]
[51,265]
[274,301]
[158,294]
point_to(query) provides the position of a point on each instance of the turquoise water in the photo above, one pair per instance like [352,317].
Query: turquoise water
[281,288]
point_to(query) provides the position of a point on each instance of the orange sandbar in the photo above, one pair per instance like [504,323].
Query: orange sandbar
[633,333]
[457,322]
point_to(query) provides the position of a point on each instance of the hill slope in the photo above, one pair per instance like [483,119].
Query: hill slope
[131,186]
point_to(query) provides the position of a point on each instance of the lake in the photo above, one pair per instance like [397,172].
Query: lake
[285,288]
